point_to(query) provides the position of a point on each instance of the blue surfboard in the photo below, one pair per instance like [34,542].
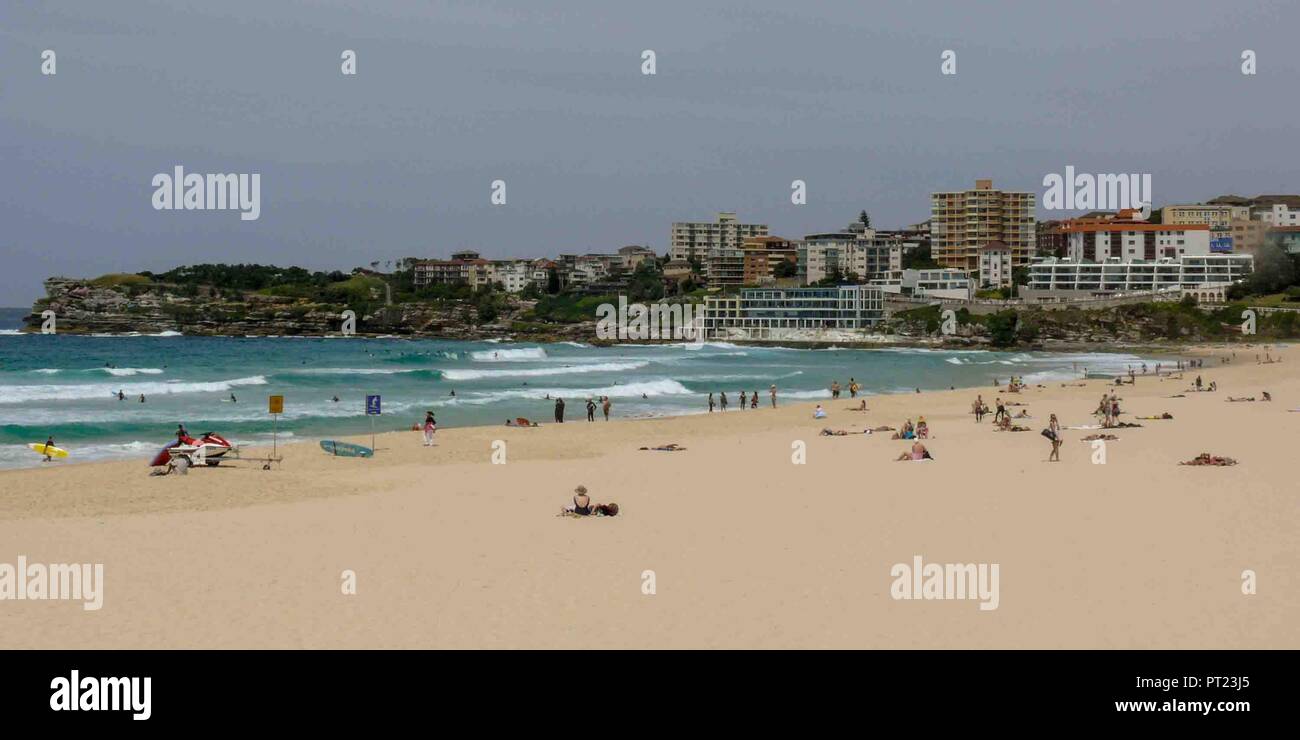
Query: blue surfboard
[345,449]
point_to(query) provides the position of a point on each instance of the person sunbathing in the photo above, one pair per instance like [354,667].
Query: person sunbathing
[882,429]
[1206,458]
[1006,426]
[1242,399]
[918,452]
[862,407]
[1165,415]
[1106,437]
[835,433]
[670,447]
[520,422]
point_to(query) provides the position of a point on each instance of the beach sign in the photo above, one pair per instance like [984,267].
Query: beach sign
[275,406]
[372,410]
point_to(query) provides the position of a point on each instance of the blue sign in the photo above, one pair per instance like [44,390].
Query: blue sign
[372,405]
[1221,245]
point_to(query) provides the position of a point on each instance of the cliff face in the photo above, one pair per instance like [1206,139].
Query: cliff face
[83,307]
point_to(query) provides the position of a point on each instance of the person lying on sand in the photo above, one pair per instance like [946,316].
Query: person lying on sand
[670,447]
[521,422]
[863,407]
[1024,414]
[1243,399]
[1006,426]
[1124,425]
[918,452]
[1165,415]
[1206,458]
[882,429]
[1268,396]
[1106,437]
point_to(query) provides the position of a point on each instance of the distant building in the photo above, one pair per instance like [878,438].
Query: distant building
[1125,237]
[761,256]
[700,240]
[760,313]
[963,221]
[630,257]
[944,283]
[1053,278]
[1287,237]
[1049,239]
[995,265]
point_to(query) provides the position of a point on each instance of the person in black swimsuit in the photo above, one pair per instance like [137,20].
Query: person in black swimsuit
[581,501]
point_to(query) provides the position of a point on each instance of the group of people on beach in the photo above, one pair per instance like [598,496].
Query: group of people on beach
[746,400]
[853,388]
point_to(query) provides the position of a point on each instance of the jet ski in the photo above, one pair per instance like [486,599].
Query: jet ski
[214,447]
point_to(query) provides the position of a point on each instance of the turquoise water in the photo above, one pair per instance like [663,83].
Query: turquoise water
[66,385]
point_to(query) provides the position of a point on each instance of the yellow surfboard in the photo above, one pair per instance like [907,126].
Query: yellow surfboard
[43,449]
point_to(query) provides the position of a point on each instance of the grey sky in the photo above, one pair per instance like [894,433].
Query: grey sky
[449,96]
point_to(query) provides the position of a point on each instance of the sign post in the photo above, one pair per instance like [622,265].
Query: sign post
[275,405]
[372,410]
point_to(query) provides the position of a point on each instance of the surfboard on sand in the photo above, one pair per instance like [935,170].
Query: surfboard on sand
[345,449]
[43,449]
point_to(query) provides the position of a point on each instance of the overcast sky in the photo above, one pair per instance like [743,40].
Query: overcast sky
[549,97]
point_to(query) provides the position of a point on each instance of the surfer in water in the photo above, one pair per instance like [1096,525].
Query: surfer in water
[233,399]
[49,442]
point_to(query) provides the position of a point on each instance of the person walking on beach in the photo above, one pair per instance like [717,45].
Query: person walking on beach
[1001,411]
[979,408]
[753,399]
[591,410]
[835,389]
[722,401]
[742,400]
[430,426]
[772,392]
[604,405]
[559,410]
[853,388]
[49,442]
[710,403]
[1054,427]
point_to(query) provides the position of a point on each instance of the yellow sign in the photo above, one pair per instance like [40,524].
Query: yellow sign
[276,404]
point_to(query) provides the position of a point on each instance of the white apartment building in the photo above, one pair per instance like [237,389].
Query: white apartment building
[995,265]
[1280,215]
[1055,278]
[942,283]
[1125,239]
[820,255]
[699,239]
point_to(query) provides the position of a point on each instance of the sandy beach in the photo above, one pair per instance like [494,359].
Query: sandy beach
[747,548]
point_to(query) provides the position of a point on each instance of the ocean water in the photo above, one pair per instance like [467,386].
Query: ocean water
[67,385]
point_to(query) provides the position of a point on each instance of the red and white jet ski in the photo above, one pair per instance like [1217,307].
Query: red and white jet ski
[210,448]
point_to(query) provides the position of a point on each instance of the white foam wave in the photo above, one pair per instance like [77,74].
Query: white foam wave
[509,355]
[123,372]
[28,393]
[598,367]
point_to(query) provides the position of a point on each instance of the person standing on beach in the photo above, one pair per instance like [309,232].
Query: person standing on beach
[835,389]
[710,403]
[49,442]
[742,400]
[559,410]
[591,410]
[772,392]
[604,405]
[1001,411]
[722,401]
[430,426]
[1054,427]
[753,399]
[853,387]
[978,408]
